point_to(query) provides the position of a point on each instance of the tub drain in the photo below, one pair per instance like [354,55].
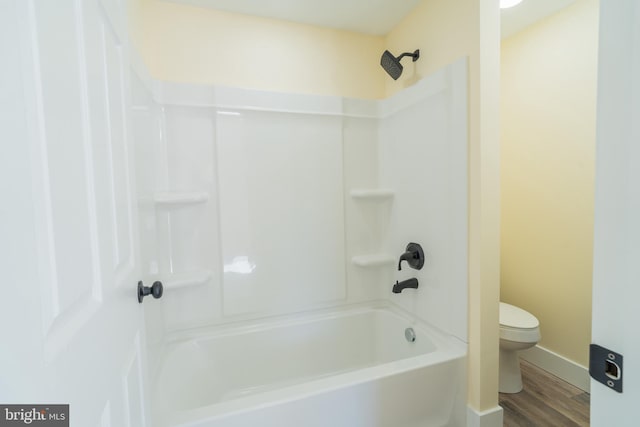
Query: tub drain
[410,334]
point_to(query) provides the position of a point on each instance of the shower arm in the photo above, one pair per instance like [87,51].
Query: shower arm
[415,55]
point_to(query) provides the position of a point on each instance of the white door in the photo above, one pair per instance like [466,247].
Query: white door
[616,281]
[71,327]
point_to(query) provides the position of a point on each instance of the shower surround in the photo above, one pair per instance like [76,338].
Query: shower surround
[256,206]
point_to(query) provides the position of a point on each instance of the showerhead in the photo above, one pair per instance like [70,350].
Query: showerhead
[392,65]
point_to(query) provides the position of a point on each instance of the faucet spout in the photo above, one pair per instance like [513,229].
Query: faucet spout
[409,283]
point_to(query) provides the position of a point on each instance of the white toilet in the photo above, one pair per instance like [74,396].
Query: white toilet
[519,330]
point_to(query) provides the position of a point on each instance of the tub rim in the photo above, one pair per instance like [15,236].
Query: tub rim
[243,326]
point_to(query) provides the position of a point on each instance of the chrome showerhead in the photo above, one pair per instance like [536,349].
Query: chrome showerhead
[392,65]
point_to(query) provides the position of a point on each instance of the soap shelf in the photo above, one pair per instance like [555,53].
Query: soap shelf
[373,260]
[187,280]
[372,193]
[180,198]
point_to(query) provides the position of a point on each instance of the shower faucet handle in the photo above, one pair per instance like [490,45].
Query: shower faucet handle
[414,255]
[156,290]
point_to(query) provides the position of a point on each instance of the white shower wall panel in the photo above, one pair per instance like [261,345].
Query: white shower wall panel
[189,134]
[276,221]
[423,156]
[189,233]
[366,222]
[281,210]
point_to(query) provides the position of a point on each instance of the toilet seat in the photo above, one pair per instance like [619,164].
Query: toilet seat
[518,325]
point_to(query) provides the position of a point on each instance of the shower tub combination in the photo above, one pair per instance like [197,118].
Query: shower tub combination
[326,176]
[348,367]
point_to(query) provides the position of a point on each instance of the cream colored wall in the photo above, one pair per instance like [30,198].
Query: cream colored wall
[548,108]
[196,45]
[444,30]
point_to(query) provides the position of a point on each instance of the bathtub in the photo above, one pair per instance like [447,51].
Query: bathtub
[351,367]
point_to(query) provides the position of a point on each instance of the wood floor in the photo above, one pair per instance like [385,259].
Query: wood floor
[546,401]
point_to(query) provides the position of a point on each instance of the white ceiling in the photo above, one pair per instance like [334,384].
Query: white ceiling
[362,16]
[369,16]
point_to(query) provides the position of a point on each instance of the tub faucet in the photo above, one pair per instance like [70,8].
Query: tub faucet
[407,256]
[414,256]
[409,283]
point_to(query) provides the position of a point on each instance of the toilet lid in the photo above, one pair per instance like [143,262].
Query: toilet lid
[515,317]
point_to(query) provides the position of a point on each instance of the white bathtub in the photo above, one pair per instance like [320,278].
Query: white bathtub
[350,367]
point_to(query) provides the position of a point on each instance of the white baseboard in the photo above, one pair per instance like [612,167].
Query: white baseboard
[489,418]
[559,366]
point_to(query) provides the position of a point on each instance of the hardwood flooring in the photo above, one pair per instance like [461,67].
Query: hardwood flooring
[546,401]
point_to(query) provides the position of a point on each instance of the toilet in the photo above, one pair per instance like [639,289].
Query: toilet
[519,330]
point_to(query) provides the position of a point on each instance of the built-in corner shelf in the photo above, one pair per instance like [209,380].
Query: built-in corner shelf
[373,260]
[187,280]
[372,194]
[176,199]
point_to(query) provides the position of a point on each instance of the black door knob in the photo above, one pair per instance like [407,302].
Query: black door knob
[155,290]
